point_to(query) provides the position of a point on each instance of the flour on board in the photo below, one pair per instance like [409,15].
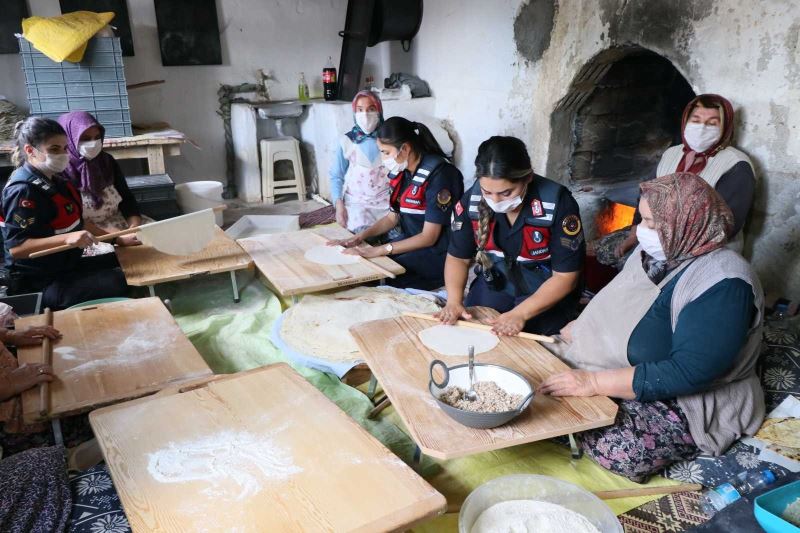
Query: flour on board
[234,464]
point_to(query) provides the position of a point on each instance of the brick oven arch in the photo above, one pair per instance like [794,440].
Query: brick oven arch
[620,113]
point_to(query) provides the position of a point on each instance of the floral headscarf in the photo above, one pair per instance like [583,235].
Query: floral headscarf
[357,134]
[691,219]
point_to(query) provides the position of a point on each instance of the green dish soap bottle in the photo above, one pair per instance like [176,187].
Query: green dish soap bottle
[302,88]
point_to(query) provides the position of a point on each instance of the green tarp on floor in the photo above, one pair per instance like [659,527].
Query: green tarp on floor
[235,337]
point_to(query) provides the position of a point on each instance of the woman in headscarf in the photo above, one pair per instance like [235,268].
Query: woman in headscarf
[108,204]
[653,338]
[359,185]
[708,127]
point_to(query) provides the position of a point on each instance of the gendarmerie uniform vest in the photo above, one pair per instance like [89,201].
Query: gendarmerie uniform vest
[530,267]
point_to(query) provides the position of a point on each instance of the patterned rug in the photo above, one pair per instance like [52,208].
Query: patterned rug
[779,367]
[673,512]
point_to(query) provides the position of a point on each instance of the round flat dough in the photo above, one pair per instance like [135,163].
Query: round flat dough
[330,316]
[329,255]
[455,340]
[530,516]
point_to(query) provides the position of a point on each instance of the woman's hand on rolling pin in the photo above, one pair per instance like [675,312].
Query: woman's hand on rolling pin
[81,239]
[128,240]
[23,378]
[570,383]
[452,313]
[32,335]
[341,213]
[509,323]
[349,242]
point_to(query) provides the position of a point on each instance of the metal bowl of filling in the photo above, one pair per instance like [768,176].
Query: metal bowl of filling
[503,394]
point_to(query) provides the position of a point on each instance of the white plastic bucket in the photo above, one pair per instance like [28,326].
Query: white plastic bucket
[198,195]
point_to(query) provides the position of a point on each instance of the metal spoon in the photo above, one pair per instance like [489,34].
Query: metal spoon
[471,394]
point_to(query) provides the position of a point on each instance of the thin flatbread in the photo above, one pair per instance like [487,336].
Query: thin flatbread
[454,340]
[784,432]
[329,255]
[183,235]
[329,316]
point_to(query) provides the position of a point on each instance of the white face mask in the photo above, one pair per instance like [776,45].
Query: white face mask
[504,206]
[700,137]
[54,163]
[393,166]
[368,121]
[90,149]
[650,242]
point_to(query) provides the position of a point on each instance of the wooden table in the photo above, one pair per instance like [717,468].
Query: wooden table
[280,260]
[256,451]
[146,266]
[400,361]
[109,353]
[148,146]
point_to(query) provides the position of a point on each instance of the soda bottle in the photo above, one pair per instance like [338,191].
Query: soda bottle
[721,496]
[329,81]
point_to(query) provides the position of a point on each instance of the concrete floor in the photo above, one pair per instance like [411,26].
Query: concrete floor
[237,209]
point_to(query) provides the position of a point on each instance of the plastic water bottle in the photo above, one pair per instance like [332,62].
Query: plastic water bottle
[721,496]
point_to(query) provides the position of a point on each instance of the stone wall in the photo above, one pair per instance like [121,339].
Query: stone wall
[502,67]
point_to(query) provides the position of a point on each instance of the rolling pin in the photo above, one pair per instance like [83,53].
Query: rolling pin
[102,238]
[484,327]
[47,359]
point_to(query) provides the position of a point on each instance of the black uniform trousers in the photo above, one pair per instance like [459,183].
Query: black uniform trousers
[92,278]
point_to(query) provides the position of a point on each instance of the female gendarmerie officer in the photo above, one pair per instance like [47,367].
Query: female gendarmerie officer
[425,185]
[41,211]
[525,233]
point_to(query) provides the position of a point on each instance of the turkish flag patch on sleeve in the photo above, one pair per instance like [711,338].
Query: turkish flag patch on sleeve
[28,204]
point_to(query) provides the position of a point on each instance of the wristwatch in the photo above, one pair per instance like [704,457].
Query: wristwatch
[389,249]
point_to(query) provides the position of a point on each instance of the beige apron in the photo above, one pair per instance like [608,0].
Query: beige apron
[600,335]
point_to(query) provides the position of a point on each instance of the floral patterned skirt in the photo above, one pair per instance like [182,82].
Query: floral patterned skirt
[645,438]
[34,494]
[96,507]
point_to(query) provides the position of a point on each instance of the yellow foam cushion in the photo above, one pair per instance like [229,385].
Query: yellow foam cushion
[64,38]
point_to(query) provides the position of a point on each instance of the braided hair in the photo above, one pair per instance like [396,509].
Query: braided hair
[498,158]
[34,131]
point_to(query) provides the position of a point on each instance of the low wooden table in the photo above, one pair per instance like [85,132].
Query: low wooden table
[261,450]
[280,260]
[144,266]
[400,361]
[110,353]
[148,146]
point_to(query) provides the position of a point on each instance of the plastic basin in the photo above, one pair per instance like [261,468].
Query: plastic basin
[198,195]
[539,488]
[252,225]
[769,507]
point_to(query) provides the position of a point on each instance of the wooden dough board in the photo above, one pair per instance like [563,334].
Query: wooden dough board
[280,259]
[400,362]
[120,350]
[144,265]
[343,479]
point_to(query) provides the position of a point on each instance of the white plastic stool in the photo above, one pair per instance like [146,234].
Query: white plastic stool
[278,149]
